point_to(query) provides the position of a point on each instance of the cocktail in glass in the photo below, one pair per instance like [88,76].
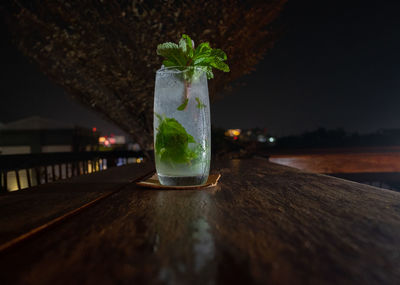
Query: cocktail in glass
[182,131]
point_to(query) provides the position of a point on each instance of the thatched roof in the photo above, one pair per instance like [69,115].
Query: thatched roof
[36,123]
[103,52]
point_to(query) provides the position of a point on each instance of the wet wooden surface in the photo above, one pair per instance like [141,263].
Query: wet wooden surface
[27,209]
[262,224]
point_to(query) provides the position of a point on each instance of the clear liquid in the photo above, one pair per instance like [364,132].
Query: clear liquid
[182,180]
[169,95]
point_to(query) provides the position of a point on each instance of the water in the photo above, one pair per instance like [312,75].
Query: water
[176,160]
[379,167]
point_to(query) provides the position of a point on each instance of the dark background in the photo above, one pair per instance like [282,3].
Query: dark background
[336,66]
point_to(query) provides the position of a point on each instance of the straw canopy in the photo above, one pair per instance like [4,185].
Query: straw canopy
[103,53]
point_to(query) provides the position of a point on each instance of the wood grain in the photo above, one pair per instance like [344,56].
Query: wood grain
[262,224]
[27,209]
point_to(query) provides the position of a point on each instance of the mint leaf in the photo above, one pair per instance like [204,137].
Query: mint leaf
[172,53]
[203,48]
[172,142]
[220,65]
[217,53]
[209,72]
[186,45]
[199,104]
[183,106]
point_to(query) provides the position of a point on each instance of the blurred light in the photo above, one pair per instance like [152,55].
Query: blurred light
[102,139]
[11,181]
[111,140]
[233,132]
[271,139]
[261,138]
[106,143]
[120,139]
[135,146]
[235,138]
[94,129]
[138,160]
[120,161]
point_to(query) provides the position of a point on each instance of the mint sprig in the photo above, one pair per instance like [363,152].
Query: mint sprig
[193,61]
[184,55]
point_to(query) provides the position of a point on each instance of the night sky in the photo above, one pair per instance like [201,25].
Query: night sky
[337,65]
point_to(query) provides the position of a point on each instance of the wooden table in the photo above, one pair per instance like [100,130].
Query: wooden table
[263,224]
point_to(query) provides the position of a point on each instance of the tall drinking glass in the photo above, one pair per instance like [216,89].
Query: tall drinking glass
[182,129]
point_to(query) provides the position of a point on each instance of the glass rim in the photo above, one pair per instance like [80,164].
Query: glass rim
[177,69]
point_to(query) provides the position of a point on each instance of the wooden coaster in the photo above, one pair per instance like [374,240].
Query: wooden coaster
[153,182]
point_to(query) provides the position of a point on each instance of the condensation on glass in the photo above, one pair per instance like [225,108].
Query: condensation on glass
[182,131]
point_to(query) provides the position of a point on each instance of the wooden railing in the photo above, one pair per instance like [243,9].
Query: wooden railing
[27,170]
